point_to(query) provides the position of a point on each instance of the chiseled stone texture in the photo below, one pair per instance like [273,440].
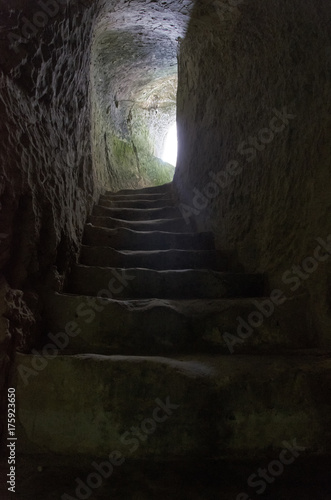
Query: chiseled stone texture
[239,62]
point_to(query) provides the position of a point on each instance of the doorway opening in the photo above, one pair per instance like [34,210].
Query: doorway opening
[169,154]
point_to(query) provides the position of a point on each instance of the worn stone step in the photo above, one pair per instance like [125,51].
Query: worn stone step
[163,188]
[127,239]
[153,259]
[163,327]
[47,477]
[190,406]
[137,214]
[148,283]
[137,196]
[169,225]
[142,204]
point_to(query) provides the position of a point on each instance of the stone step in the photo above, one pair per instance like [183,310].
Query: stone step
[163,327]
[187,407]
[164,188]
[47,477]
[147,283]
[153,259]
[137,214]
[127,239]
[169,225]
[137,196]
[142,204]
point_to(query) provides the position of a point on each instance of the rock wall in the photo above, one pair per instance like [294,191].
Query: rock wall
[47,181]
[51,171]
[254,129]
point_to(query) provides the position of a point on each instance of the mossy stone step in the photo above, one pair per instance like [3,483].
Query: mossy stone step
[164,188]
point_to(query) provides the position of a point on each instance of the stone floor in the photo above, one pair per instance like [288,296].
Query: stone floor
[308,480]
[80,405]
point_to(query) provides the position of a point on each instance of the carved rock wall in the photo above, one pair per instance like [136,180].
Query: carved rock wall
[254,129]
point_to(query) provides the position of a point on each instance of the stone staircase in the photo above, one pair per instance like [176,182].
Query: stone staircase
[145,330]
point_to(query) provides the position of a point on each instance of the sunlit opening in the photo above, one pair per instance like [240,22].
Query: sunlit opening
[170,146]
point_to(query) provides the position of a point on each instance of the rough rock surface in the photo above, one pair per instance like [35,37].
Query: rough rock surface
[49,177]
[47,182]
[239,62]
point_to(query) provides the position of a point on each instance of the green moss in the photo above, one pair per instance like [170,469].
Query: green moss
[138,167]
[123,158]
[157,171]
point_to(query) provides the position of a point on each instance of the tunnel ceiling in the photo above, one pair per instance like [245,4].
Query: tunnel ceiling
[135,43]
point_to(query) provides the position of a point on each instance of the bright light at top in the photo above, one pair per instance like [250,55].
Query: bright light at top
[170,146]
